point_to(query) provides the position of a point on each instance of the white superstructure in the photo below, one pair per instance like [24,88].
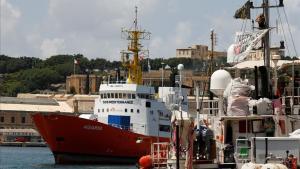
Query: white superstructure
[135,108]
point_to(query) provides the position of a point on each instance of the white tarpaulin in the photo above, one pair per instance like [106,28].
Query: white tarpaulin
[244,43]
[237,93]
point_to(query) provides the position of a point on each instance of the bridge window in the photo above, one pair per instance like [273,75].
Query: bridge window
[120,95]
[112,95]
[101,96]
[124,95]
[1,119]
[131,110]
[138,110]
[108,95]
[165,128]
[116,95]
[125,110]
[102,110]
[148,104]
[133,96]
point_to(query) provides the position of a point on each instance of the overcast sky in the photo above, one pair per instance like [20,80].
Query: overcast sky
[41,28]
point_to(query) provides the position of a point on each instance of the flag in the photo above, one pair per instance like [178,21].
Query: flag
[244,43]
[76,62]
[244,11]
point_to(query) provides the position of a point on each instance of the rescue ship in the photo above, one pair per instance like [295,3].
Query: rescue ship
[128,117]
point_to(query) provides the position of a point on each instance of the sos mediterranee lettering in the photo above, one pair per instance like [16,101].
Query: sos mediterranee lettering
[118,102]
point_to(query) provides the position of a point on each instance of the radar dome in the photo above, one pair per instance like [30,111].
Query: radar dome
[180,67]
[218,81]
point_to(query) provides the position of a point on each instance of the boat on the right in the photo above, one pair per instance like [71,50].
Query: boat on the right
[252,117]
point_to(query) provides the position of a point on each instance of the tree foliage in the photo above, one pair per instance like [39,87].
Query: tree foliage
[10,64]
[28,74]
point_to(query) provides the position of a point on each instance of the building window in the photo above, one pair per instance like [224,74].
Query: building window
[138,110]
[98,110]
[2,119]
[102,110]
[12,119]
[23,120]
[131,110]
[125,110]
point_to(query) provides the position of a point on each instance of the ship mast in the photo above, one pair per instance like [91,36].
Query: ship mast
[267,36]
[133,66]
[266,40]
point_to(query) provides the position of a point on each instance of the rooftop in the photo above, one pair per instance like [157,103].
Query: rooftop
[34,105]
[35,101]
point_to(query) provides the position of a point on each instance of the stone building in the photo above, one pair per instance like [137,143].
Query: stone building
[198,52]
[15,115]
[259,53]
[78,84]
[16,112]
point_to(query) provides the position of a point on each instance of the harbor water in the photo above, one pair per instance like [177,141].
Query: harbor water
[40,158]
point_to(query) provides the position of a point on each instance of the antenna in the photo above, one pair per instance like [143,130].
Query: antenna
[135,20]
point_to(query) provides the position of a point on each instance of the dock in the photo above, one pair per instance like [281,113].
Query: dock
[23,144]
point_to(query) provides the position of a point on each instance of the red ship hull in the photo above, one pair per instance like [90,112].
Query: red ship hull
[76,140]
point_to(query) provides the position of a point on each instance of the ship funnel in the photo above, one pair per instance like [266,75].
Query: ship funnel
[219,81]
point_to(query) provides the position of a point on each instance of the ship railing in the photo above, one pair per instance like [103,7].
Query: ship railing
[114,82]
[291,101]
[160,154]
[288,91]
[120,126]
[210,107]
[291,105]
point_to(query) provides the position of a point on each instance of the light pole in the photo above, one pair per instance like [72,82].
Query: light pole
[162,80]
[275,59]
[167,67]
[87,82]
[162,74]
[180,67]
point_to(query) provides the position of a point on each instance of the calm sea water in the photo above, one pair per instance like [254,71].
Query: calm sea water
[39,157]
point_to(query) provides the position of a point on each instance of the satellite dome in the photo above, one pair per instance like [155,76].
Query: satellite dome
[219,81]
[180,67]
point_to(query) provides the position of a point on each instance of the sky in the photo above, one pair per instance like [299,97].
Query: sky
[42,28]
